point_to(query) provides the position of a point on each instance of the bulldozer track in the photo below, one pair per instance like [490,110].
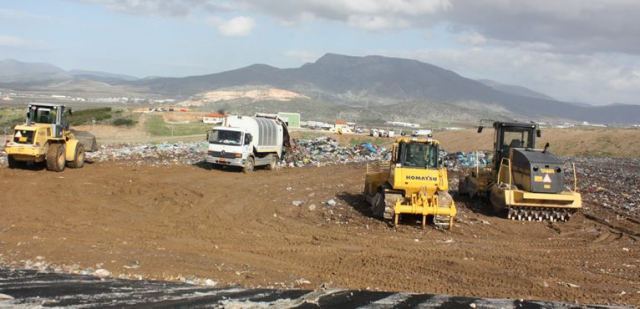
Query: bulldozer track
[390,199]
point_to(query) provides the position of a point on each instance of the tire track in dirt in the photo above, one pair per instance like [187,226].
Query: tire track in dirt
[243,229]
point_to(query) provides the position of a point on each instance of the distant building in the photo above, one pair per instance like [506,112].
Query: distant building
[292,119]
[213,118]
[341,124]
[403,124]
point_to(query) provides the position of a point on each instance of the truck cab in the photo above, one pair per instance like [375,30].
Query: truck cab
[247,142]
[229,146]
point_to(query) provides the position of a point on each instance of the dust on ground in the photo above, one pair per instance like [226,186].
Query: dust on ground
[190,221]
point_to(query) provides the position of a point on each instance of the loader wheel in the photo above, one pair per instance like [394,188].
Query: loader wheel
[13,163]
[272,163]
[55,157]
[78,159]
[248,165]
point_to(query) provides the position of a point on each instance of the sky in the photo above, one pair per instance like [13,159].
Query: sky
[572,50]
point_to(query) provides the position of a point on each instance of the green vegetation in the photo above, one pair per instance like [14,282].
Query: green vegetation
[10,117]
[87,116]
[156,125]
[124,122]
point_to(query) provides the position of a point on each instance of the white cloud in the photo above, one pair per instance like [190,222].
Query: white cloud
[376,23]
[13,41]
[472,38]
[237,26]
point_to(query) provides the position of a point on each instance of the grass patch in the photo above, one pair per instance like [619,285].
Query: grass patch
[87,116]
[10,117]
[156,126]
[124,122]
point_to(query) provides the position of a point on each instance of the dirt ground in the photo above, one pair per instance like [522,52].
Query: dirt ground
[183,221]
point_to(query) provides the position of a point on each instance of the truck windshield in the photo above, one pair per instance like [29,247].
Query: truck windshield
[419,155]
[225,137]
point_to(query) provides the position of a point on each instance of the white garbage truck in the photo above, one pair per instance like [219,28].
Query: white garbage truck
[248,142]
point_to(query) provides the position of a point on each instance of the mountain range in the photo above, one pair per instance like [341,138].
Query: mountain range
[371,87]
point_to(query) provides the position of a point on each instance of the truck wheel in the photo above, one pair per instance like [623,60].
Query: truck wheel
[248,165]
[78,159]
[55,157]
[13,163]
[272,163]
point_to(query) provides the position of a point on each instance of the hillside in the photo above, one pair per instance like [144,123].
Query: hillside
[372,87]
[373,82]
[515,89]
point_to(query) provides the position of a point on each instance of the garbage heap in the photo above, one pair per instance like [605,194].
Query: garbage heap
[305,152]
[326,150]
[461,160]
[156,154]
[613,183]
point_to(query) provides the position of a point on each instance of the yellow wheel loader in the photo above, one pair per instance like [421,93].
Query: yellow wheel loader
[45,137]
[414,183]
[524,183]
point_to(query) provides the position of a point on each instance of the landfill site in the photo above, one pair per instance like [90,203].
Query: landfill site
[180,213]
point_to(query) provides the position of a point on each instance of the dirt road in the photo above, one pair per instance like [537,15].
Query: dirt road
[183,221]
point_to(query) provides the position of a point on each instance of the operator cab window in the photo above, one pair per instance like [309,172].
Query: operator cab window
[517,138]
[419,155]
[45,115]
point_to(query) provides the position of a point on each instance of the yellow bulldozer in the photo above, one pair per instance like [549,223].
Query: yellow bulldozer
[45,137]
[414,182]
[524,183]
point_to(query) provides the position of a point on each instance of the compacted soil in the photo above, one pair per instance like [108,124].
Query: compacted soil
[183,221]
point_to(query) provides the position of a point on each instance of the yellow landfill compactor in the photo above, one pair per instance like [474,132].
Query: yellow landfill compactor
[45,137]
[524,183]
[414,182]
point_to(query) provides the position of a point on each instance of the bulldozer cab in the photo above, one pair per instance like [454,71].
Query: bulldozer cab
[414,154]
[54,114]
[509,135]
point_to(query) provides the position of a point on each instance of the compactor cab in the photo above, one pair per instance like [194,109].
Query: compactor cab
[414,182]
[524,183]
[509,135]
[45,137]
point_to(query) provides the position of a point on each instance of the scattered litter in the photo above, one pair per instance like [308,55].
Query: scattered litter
[210,282]
[5,297]
[102,273]
[571,285]
[331,202]
[302,281]
[297,203]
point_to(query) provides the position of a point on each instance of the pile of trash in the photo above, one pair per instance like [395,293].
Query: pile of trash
[160,154]
[460,160]
[613,183]
[326,150]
